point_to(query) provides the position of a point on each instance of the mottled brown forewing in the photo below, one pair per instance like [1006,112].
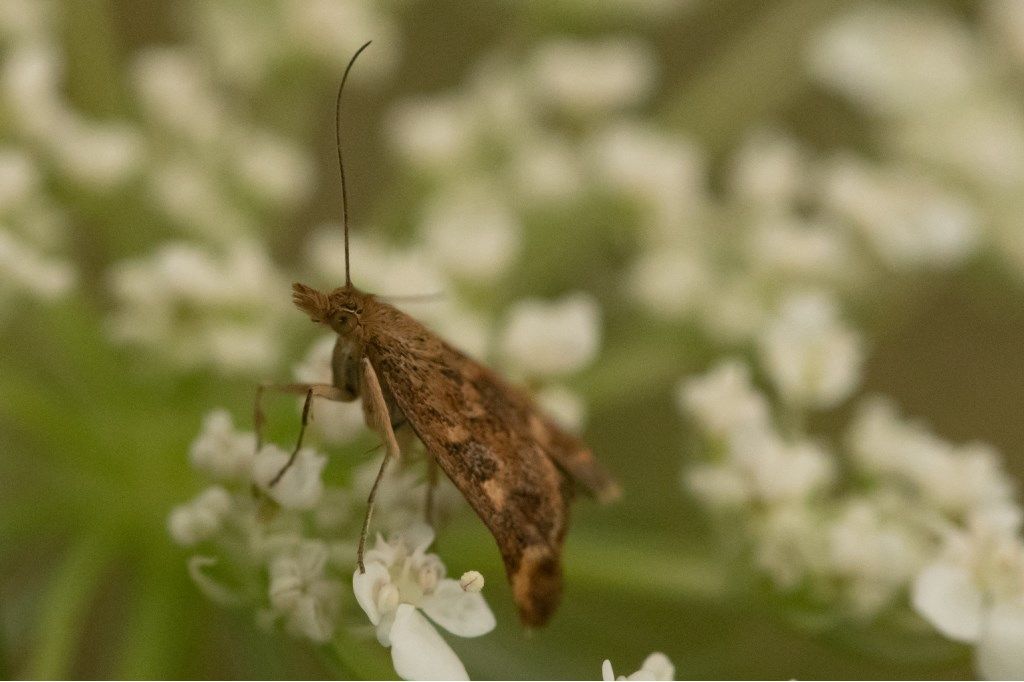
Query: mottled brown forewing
[511,462]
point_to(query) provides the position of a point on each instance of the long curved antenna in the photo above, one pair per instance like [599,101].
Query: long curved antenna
[341,164]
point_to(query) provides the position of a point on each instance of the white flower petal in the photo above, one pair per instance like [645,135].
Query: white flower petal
[418,536]
[1000,653]
[313,615]
[418,652]
[655,667]
[607,674]
[552,338]
[461,613]
[383,629]
[300,487]
[213,589]
[944,594]
[366,585]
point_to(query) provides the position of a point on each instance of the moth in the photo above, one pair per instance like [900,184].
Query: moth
[515,466]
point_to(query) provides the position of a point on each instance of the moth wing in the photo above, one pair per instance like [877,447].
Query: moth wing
[576,459]
[498,450]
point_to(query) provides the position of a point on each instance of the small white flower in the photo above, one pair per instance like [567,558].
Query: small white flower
[30,79]
[664,173]
[201,518]
[174,90]
[974,592]
[191,195]
[671,281]
[769,170]
[549,339]
[982,138]
[591,78]
[402,494]
[432,133]
[717,485]
[102,156]
[25,19]
[221,451]
[565,407]
[332,31]
[813,358]
[790,544]
[734,310]
[909,219]
[19,177]
[471,232]
[956,480]
[337,422]
[655,667]
[801,251]
[546,169]
[300,591]
[24,269]
[274,170]
[876,550]
[403,582]
[777,471]
[999,651]
[300,487]
[724,401]
[466,329]
[896,59]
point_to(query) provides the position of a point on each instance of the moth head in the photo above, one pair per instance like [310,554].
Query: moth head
[339,310]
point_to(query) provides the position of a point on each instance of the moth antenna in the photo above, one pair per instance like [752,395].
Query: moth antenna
[341,164]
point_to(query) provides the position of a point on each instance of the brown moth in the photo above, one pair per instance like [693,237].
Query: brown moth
[513,464]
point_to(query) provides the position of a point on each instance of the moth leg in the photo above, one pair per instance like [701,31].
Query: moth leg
[428,510]
[321,390]
[377,418]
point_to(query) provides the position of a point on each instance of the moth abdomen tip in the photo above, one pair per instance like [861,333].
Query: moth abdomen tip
[610,493]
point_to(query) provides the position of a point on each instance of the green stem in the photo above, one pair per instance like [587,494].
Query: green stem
[629,567]
[63,608]
[153,633]
[611,561]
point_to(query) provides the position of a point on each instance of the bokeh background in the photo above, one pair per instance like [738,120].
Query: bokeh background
[167,168]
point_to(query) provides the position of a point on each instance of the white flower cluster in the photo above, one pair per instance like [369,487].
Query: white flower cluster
[221,172]
[892,510]
[98,156]
[945,97]
[291,577]
[289,547]
[251,46]
[33,235]
[218,166]
[198,309]
[788,221]
[944,184]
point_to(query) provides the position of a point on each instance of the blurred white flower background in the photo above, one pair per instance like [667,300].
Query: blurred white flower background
[766,258]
